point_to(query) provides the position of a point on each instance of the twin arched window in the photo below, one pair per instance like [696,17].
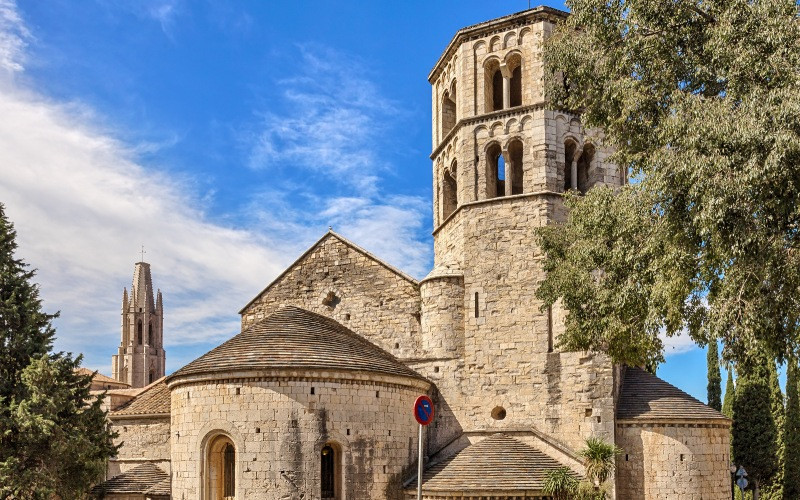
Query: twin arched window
[503,84]
[504,172]
[449,192]
[577,165]
[448,111]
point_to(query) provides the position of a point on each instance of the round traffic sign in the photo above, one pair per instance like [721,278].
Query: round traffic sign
[423,410]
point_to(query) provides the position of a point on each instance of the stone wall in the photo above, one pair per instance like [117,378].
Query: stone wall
[365,295]
[143,440]
[279,427]
[664,461]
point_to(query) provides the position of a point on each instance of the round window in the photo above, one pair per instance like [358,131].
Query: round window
[499,413]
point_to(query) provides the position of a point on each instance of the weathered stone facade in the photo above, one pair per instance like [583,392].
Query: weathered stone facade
[662,461]
[313,398]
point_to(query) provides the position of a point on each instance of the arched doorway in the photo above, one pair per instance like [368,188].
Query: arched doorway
[220,469]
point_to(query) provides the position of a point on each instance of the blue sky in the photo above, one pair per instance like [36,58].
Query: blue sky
[225,137]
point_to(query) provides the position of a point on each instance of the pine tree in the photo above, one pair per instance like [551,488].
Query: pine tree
[714,378]
[791,435]
[755,435]
[54,436]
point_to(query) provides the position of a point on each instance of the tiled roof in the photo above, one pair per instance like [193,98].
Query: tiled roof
[141,479]
[647,397]
[99,377]
[292,337]
[154,399]
[510,464]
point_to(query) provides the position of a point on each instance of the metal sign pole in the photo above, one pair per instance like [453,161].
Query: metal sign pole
[419,466]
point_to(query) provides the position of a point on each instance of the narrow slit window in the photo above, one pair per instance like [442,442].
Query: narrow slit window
[477,312]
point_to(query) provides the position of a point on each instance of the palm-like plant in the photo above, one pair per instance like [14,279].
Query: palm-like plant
[599,459]
[560,483]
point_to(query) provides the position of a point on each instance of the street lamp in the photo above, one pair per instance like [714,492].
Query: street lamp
[732,468]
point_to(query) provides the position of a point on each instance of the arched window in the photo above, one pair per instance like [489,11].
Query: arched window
[150,333]
[448,113]
[221,469]
[570,148]
[449,193]
[516,86]
[329,472]
[495,172]
[139,332]
[515,149]
[497,90]
[584,166]
[152,377]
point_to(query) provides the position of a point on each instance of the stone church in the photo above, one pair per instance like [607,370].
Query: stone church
[313,399]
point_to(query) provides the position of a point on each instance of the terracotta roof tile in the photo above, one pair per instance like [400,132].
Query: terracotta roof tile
[647,397]
[292,337]
[140,479]
[154,399]
[511,464]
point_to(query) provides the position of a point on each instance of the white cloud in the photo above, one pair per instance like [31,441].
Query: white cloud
[13,37]
[678,344]
[82,203]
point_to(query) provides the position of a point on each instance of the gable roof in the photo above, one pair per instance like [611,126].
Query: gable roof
[153,400]
[293,338]
[144,478]
[345,241]
[646,397]
[511,464]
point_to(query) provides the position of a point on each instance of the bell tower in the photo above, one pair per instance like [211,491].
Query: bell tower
[140,358]
[503,158]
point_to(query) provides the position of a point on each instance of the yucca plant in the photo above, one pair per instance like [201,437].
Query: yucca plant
[599,459]
[561,484]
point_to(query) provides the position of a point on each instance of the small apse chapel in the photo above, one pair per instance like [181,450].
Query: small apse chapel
[312,400]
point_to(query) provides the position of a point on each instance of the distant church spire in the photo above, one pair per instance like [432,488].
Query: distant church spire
[140,358]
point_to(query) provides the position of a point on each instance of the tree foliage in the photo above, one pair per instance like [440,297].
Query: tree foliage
[54,437]
[700,102]
[714,378]
[791,435]
[730,395]
[560,484]
[599,458]
[754,433]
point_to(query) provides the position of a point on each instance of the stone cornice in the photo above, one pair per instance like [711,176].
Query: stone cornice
[486,117]
[500,24]
[498,199]
[676,422]
[300,374]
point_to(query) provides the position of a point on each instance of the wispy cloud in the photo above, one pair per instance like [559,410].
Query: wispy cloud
[334,117]
[678,344]
[14,37]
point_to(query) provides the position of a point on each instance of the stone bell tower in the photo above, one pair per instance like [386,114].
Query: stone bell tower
[140,358]
[502,160]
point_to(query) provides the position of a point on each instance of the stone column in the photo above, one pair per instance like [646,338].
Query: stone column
[506,85]
[509,170]
[574,173]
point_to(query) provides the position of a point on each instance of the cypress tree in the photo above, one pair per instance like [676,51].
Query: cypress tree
[755,435]
[54,436]
[775,488]
[791,435]
[730,395]
[714,378]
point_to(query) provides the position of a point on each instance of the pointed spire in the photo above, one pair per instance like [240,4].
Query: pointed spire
[159,302]
[124,299]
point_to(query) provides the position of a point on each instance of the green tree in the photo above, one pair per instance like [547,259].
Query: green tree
[754,433]
[714,378]
[791,434]
[599,458]
[730,395]
[561,484]
[699,101]
[774,489]
[54,437]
